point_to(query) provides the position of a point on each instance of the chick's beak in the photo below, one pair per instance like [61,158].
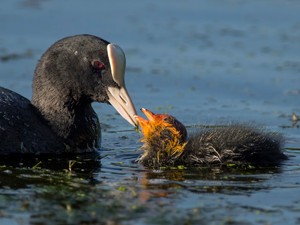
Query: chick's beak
[150,115]
[146,125]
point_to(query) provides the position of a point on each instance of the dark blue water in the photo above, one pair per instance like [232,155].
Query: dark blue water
[205,62]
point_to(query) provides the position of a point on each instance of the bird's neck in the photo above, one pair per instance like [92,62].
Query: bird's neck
[72,119]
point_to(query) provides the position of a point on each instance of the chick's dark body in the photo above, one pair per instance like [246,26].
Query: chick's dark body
[234,144]
[167,143]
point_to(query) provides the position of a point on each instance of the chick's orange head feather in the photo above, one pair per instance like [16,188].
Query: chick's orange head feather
[149,125]
[162,121]
[164,138]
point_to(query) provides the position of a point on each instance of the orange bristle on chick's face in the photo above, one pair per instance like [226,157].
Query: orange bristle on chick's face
[163,137]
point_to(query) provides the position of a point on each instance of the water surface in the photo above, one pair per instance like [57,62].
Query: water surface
[205,62]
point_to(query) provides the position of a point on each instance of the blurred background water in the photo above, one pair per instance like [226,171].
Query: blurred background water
[205,62]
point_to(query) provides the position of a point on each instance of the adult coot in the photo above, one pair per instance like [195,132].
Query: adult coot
[71,74]
[166,144]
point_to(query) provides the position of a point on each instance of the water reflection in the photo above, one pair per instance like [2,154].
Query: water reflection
[22,172]
[206,180]
[26,171]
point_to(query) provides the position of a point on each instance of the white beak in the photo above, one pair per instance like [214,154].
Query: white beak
[118,97]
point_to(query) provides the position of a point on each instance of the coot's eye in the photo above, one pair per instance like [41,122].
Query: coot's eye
[98,65]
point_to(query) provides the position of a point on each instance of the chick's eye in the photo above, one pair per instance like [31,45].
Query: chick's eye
[98,65]
[167,119]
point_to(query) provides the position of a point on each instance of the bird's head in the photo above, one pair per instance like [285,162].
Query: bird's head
[83,69]
[163,137]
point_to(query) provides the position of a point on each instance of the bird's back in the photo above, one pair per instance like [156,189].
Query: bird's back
[22,129]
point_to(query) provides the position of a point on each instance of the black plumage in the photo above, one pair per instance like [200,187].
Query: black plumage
[71,74]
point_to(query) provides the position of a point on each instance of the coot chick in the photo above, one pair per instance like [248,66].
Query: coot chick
[166,144]
[71,74]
